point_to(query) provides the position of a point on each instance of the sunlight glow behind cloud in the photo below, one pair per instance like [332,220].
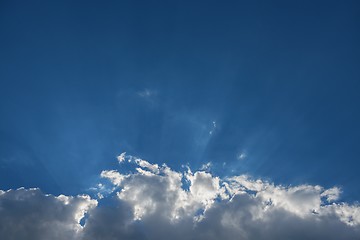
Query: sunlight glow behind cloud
[152,202]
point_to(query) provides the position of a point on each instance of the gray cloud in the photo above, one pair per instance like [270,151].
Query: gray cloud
[30,214]
[153,203]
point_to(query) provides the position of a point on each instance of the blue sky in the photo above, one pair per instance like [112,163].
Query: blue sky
[83,81]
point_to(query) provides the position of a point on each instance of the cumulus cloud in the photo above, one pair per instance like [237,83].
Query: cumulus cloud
[30,214]
[207,207]
[157,202]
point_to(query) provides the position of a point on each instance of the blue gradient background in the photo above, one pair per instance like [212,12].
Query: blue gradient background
[82,81]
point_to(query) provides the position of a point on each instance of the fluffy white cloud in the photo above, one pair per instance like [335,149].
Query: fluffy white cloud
[30,214]
[156,202]
[115,177]
[236,207]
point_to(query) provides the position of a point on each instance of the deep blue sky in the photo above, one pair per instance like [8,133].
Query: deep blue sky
[82,81]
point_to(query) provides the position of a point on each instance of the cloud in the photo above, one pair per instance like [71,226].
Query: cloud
[144,164]
[157,202]
[115,177]
[331,194]
[147,93]
[241,156]
[206,167]
[235,207]
[213,128]
[30,214]
[121,157]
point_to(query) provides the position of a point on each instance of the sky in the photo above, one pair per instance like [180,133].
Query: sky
[224,108]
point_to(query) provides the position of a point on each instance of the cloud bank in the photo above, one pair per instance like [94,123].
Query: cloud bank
[156,202]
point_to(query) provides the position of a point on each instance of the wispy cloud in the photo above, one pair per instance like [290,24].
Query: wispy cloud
[147,93]
[213,128]
[206,166]
[241,156]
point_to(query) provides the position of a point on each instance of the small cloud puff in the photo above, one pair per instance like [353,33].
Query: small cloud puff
[213,128]
[241,156]
[121,157]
